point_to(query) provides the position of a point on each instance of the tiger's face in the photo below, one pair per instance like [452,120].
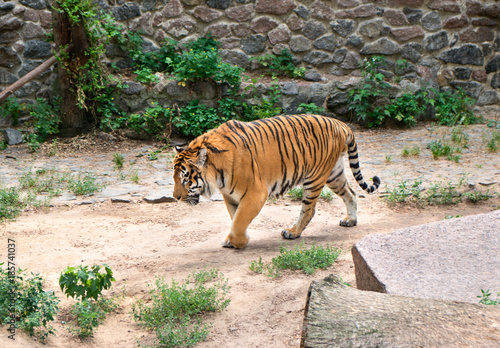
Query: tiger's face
[188,181]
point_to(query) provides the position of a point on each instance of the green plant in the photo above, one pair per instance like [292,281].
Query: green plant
[485,298]
[454,108]
[403,191]
[201,61]
[146,75]
[263,107]
[163,59]
[87,286]
[388,158]
[363,101]
[280,65]
[84,283]
[46,122]
[176,311]
[11,108]
[407,107]
[440,193]
[195,119]
[297,193]
[11,203]
[493,124]
[118,159]
[90,314]
[134,176]
[443,149]
[410,152]
[477,195]
[493,144]
[33,309]
[298,258]
[84,184]
[153,121]
[458,136]
[311,108]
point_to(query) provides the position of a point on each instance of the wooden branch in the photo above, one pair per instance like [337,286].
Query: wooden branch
[29,76]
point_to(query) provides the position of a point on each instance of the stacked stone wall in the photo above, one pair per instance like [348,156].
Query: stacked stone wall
[448,43]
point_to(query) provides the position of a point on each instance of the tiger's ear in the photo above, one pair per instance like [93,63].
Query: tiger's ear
[202,157]
[179,149]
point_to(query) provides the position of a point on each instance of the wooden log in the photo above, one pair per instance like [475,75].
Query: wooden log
[29,76]
[340,316]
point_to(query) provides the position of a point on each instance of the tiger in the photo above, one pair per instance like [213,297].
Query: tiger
[248,162]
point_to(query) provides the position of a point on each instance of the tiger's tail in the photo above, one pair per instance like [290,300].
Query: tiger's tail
[356,171]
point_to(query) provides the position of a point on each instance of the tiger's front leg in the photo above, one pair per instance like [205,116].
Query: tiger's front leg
[243,214]
[309,200]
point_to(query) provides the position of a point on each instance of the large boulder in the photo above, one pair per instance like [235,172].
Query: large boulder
[452,259]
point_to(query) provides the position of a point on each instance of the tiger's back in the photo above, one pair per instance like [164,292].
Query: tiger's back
[248,162]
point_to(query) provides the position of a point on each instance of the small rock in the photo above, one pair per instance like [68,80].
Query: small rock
[160,197]
[119,200]
[13,136]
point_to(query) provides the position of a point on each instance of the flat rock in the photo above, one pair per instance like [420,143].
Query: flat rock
[163,196]
[340,316]
[452,259]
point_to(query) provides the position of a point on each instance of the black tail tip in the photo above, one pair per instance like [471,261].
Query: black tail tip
[376,181]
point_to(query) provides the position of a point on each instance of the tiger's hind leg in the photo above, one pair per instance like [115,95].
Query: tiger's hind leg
[311,194]
[338,183]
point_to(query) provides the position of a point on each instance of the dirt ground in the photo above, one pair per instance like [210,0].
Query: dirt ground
[141,241]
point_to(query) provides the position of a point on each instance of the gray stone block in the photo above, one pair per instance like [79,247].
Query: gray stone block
[13,136]
[451,259]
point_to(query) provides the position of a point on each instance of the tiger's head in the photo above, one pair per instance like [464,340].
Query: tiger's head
[188,180]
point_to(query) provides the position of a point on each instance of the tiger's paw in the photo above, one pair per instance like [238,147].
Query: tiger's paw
[232,242]
[348,222]
[227,244]
[289,235]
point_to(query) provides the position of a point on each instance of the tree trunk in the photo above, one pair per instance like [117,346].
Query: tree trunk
[74,118]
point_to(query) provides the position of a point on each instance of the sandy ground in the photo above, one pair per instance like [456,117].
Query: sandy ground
[142,241]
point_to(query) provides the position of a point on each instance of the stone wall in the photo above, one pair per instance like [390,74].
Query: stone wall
[453,43]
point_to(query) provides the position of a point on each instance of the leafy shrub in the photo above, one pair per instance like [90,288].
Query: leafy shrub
[11,107]
[176,311]
[372,104]
[90,314]
[201,61]
[363,101]
[407,108]
[493,143]
[84,283]
[34,308]
[154,120]
[298,258]
[411,152]
[195,119]
[11,203]
[443,149]
[454,108]
[88,285]
[310,108]
[402,191]
[158,60]
[46,122]
[280,65]
[84,184]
